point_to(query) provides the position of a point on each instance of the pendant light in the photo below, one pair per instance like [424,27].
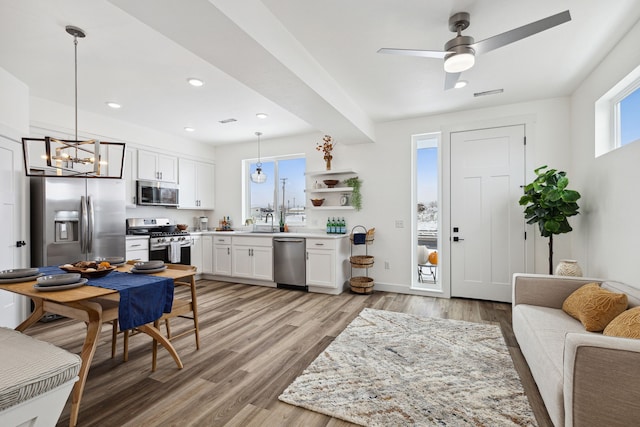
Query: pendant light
[258,176]
[62,157]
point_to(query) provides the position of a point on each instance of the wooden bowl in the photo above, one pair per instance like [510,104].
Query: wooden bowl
[93,273]
[317,202]
[182,227]
[331,182]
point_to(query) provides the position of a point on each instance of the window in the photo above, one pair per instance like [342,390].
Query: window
[427,210]
[281,194]
[617,115]
[627,112]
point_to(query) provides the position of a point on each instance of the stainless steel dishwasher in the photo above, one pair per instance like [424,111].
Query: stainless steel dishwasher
[289,263]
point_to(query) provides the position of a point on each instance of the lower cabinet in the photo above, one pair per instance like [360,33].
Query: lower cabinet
[326,264]
[196,252]
[137,248]
[252,258]
[207,254]
[222,255]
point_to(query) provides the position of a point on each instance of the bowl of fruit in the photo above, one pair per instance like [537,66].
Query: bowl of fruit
[89,269]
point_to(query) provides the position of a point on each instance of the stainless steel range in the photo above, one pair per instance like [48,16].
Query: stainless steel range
[166,242]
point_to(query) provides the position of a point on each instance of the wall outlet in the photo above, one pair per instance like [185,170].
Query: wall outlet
[386,265]
[399,223]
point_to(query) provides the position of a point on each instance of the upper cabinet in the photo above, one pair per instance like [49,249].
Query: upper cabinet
[196,181]
[157,167]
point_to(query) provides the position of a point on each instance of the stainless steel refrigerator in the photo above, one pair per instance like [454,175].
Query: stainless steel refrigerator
[76,219]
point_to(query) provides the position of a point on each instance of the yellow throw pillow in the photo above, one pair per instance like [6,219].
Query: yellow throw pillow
[594,307]
[626,325]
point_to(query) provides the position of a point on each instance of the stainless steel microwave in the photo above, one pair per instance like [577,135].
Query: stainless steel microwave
[156,193]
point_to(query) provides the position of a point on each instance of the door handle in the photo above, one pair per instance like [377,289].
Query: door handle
[91,223]
[457,239]
[21,243]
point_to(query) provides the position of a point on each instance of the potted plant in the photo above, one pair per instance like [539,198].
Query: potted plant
[356,197]
[549,204]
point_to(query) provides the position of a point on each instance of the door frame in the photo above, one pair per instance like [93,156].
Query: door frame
[529,122]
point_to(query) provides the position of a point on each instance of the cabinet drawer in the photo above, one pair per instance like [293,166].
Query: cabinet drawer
[266,241]
[329,244]
[137,244]
[221,240]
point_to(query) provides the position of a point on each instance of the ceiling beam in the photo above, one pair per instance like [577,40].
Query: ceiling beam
[244,40]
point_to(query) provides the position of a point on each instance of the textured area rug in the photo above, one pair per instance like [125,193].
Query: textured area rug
[394,369]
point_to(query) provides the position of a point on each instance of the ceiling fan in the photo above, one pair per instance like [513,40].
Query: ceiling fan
[459,52]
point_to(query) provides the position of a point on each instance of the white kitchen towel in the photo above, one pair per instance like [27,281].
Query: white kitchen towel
[174,252]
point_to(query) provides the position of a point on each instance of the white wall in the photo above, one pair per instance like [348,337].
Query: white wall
[605,239]
[385,169]
[14,108]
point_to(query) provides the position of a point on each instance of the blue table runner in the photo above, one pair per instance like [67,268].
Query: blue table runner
[143,298]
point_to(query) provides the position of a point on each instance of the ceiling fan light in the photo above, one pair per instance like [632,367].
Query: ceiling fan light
[460,84]
[459,62]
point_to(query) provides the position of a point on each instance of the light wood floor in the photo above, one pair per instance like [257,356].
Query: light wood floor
[254,342]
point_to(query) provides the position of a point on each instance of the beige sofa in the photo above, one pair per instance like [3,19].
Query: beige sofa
[584,378]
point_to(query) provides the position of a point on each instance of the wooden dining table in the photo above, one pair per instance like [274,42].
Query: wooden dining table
[93,305]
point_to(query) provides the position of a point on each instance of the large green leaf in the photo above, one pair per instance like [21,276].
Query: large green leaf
[548,202]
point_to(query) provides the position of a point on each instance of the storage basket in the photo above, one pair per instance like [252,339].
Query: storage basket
[362,238]
[361,261]
[361,285]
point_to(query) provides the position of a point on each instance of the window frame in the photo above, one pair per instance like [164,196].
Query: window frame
[607,114]
[246,184]
[615,111]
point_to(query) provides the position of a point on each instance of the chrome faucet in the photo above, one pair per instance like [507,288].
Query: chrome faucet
[267,217]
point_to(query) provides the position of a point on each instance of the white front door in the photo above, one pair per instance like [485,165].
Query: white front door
[12,306]
[487,223]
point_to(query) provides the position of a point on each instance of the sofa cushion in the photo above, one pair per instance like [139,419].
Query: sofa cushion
[594,307]
[541,332]
[30,367]
[626,325]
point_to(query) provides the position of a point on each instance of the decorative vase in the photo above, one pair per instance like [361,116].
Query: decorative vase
[568,267]
[327,159]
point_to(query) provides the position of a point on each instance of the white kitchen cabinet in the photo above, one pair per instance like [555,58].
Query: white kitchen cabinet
[196,252]
[129,175]
[137,248]
[325,264]
[157,167]
[252,257]
[196,181]
[207,254]
[222,255]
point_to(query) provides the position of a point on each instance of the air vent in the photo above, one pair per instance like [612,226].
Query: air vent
[227,121]
[489,92]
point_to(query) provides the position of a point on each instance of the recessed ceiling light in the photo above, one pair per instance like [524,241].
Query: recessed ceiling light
[189,129]
[113,105]
[262,115]
[195,82]
[460,84]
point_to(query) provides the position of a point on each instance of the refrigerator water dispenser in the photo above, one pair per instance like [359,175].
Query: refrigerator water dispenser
[66,226]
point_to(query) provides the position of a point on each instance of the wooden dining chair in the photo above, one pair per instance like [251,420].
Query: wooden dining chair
[182,307]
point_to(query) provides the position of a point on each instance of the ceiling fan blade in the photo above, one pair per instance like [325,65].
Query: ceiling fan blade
[450,80]
[413,52]
[520,33]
